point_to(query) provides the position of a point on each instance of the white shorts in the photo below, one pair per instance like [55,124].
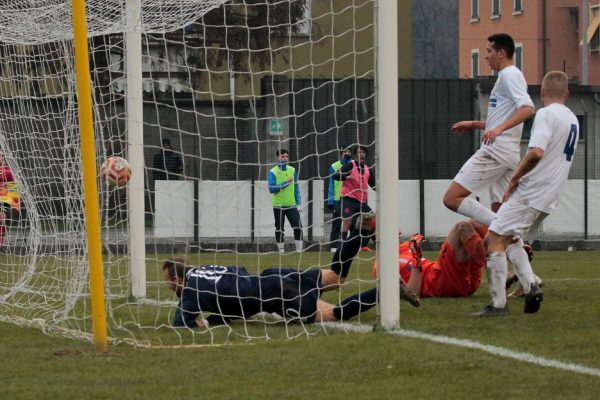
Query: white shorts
[482,172]
[518,220]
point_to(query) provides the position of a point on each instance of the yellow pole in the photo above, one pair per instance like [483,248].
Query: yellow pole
[88,155]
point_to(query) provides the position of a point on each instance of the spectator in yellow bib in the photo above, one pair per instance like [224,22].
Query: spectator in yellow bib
[283,185]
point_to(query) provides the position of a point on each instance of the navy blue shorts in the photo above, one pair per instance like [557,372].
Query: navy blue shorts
[291,293]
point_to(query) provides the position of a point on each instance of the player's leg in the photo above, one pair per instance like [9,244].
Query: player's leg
[517,255]
[348,308]
[336,227]
[513,278]
[497,268]
[350,209]
[476,175]
[513,220]
[468,248]
[466,242]
[279,226]
[366,210]
[293,216]
[343,257]
[354,305]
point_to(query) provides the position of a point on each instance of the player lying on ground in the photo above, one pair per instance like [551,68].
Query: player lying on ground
[457,270]
[363,228]
[230,292]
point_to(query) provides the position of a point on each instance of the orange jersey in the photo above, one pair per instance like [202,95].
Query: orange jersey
[407,262]
[450,278]
[445,277]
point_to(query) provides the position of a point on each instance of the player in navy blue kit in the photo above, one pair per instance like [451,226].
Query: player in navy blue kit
[230,292]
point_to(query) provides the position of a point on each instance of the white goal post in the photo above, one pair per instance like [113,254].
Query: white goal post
[200,92]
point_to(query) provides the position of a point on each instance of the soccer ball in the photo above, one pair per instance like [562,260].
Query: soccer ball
[115,171]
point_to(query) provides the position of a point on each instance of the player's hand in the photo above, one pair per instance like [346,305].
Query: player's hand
[512,186]
[299,208]
[459,128]
[290,180]
[489,136]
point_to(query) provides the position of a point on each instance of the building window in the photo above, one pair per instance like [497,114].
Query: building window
[474,10]
[518,7]
[305,24]
[594,29]
[474,63]
[519,55]
[495,8]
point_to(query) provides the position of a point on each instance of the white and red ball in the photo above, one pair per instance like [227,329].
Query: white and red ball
[115,171]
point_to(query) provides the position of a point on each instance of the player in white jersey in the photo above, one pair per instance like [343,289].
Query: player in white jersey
[491,166]
[533,192]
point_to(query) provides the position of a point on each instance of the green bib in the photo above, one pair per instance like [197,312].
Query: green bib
[286,196]
[337,185]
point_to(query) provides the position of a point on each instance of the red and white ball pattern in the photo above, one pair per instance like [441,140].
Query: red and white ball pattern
[115,171]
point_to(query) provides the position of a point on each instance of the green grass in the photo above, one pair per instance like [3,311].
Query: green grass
[375,365]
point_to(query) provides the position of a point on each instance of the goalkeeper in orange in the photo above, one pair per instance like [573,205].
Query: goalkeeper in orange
[9,197]
[456,272]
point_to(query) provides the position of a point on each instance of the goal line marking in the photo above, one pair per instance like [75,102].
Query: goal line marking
[470,344]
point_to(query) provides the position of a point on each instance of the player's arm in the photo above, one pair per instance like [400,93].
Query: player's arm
[516,88]
[331,191]
[372,180]
[297,190]
[527,164]
[273,186]
[459,128]
[523,113]
[343,172]
[184,316]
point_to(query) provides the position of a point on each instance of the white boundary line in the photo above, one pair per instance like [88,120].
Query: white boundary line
[470,344]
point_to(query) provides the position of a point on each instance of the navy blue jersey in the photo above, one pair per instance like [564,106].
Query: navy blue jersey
[231,292]
[228,291]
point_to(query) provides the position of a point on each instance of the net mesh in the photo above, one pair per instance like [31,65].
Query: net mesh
[227,83]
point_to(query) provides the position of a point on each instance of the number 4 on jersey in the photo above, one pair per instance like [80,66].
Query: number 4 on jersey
[571,141]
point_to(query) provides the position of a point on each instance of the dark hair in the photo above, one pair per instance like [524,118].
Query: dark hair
[176,268]
[344,147]
[166,142]
[503,41]
[281,151]
[359,147]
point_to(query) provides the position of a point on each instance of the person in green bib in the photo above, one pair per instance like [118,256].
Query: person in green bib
[283,185]
[333,197]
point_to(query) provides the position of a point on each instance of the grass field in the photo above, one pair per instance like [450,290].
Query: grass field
[440,353]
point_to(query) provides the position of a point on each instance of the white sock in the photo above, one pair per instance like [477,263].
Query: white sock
[497,270]
[280,247]
[474,209]
[517,255]
[298,245]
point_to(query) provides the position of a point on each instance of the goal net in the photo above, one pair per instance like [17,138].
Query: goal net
[224,85]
